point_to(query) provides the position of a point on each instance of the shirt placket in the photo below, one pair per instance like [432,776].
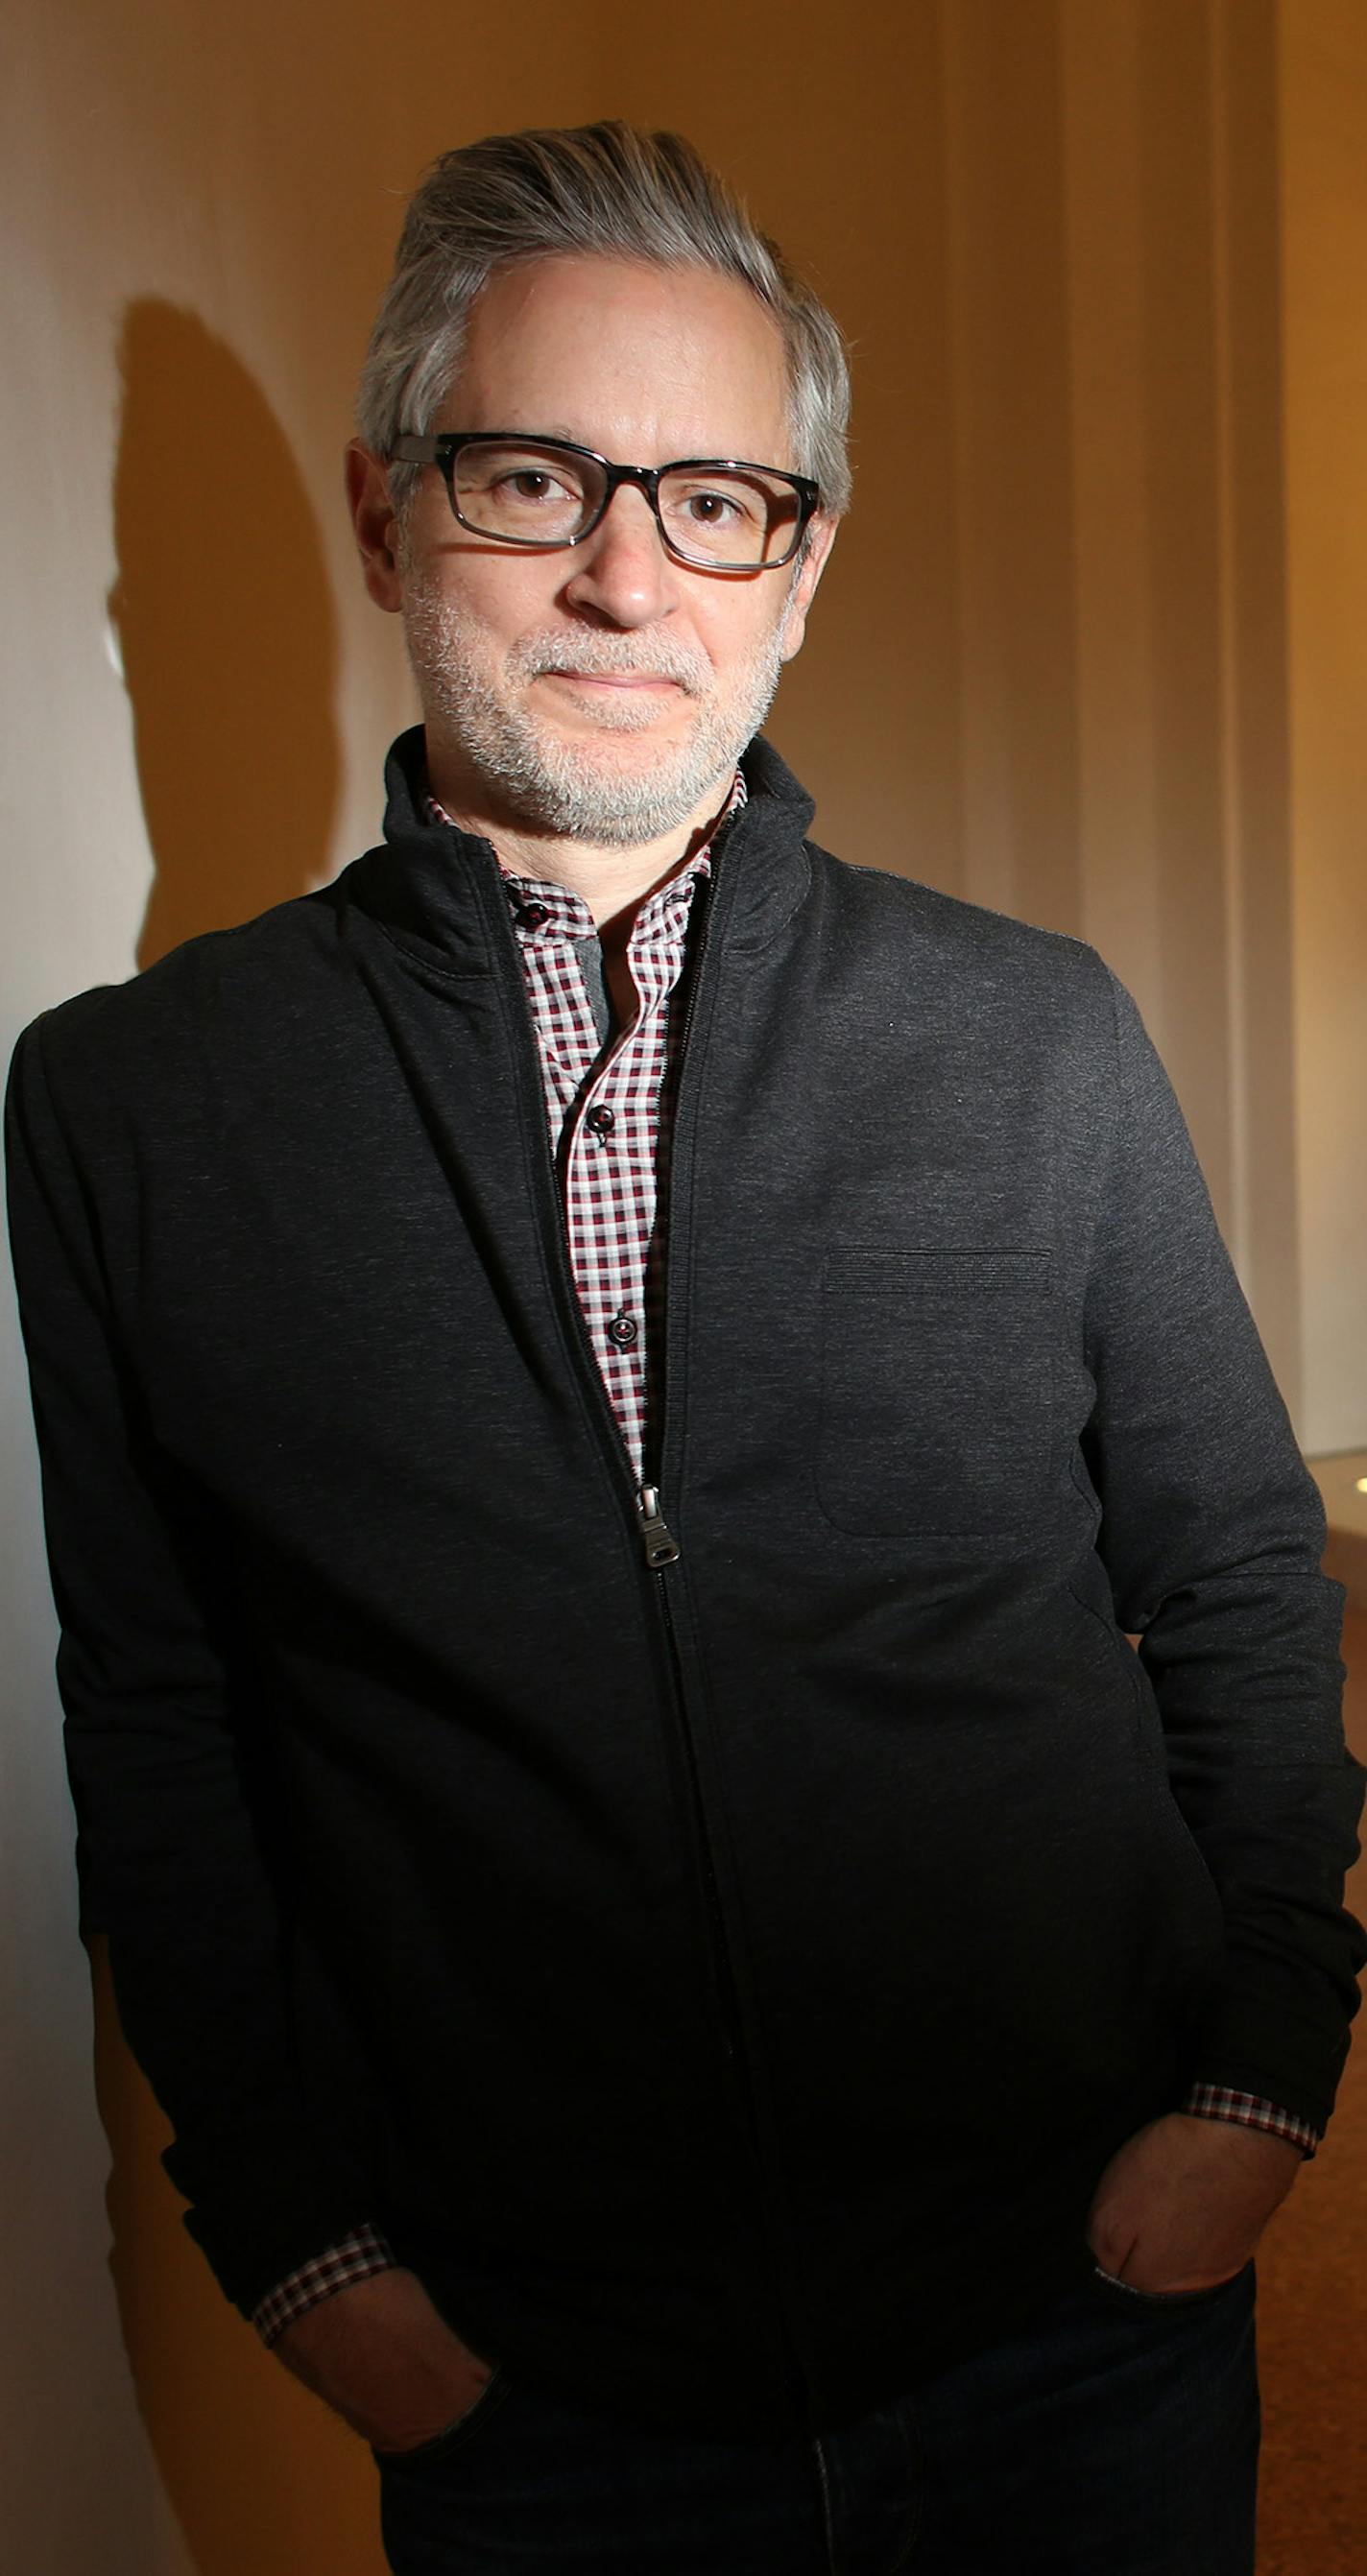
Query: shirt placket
[605,1129]
[611,1162]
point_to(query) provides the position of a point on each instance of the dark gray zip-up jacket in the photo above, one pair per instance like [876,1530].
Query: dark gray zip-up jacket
[725,1979]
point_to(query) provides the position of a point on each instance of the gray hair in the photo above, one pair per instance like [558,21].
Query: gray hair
[607,189]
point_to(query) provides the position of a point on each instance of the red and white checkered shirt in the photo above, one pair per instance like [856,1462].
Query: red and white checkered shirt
[608,1106]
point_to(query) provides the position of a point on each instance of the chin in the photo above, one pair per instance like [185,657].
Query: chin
[635,756]
[620,799]
[615,738]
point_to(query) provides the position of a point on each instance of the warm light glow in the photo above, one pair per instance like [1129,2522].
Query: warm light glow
[1361,1482]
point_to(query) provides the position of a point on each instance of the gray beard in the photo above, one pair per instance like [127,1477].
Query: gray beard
[561,786]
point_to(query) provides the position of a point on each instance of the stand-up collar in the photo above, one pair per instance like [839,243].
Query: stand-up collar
[438,888]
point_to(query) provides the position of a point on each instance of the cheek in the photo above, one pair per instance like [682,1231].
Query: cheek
[501,603]
[448,625]
[738,645]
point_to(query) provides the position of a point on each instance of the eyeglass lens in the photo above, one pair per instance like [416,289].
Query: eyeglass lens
[542,494]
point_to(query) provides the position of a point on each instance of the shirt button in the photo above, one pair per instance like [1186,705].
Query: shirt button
[531,915]
[623,1329]
[602,1121]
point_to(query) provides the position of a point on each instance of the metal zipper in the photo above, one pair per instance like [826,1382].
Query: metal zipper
[731,2024]
[661,1549]
[660,1545]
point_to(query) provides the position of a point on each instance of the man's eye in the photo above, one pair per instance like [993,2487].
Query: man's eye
[530,483]
[713,509]
[512,479]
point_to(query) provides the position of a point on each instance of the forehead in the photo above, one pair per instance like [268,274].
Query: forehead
[641,362]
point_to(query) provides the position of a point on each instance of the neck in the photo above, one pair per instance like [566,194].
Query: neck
[612,882]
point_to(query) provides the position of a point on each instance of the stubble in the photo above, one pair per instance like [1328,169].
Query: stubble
[571,787]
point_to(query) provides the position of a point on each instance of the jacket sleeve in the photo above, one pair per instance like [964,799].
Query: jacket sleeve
[174,1865]
[1211,1534]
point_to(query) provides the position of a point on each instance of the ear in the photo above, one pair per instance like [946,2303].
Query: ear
[820,539]
[372,517]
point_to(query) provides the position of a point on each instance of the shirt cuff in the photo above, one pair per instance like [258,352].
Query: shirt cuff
[352,2258]
[1248,2111]
[363,2253]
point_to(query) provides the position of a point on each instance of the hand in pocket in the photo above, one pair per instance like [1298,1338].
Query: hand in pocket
[1181,2206]
[380,2355]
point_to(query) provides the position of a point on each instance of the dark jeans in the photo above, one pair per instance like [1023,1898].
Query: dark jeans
[1119,2437]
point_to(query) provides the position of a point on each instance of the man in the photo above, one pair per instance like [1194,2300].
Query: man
[609,1389]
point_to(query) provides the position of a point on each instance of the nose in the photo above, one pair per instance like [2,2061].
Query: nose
[622,573]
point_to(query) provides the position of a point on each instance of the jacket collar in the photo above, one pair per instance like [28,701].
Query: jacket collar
[439,889]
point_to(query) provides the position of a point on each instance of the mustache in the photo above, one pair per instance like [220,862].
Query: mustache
[610,657]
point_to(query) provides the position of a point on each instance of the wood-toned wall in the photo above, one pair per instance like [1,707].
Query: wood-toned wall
[1322,93]
[1089,650]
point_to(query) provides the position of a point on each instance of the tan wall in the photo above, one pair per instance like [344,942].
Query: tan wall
[1323,92]
[1088,651]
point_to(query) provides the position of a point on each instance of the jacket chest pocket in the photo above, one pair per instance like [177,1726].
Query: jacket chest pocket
[936,1390]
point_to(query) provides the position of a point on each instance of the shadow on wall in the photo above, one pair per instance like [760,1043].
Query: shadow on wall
[263,2481]
[224,617]
[224,620]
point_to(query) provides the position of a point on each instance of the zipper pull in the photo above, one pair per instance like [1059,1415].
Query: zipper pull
[660,1548]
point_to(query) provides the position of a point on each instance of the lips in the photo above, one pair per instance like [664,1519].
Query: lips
[616,679]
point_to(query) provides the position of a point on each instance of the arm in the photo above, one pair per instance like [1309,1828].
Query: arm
[1211,1534]
[173,1864]
[160,1711]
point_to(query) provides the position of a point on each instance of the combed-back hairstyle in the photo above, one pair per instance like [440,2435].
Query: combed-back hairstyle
[605,188]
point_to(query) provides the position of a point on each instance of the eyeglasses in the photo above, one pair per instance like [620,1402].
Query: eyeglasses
[716,512]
